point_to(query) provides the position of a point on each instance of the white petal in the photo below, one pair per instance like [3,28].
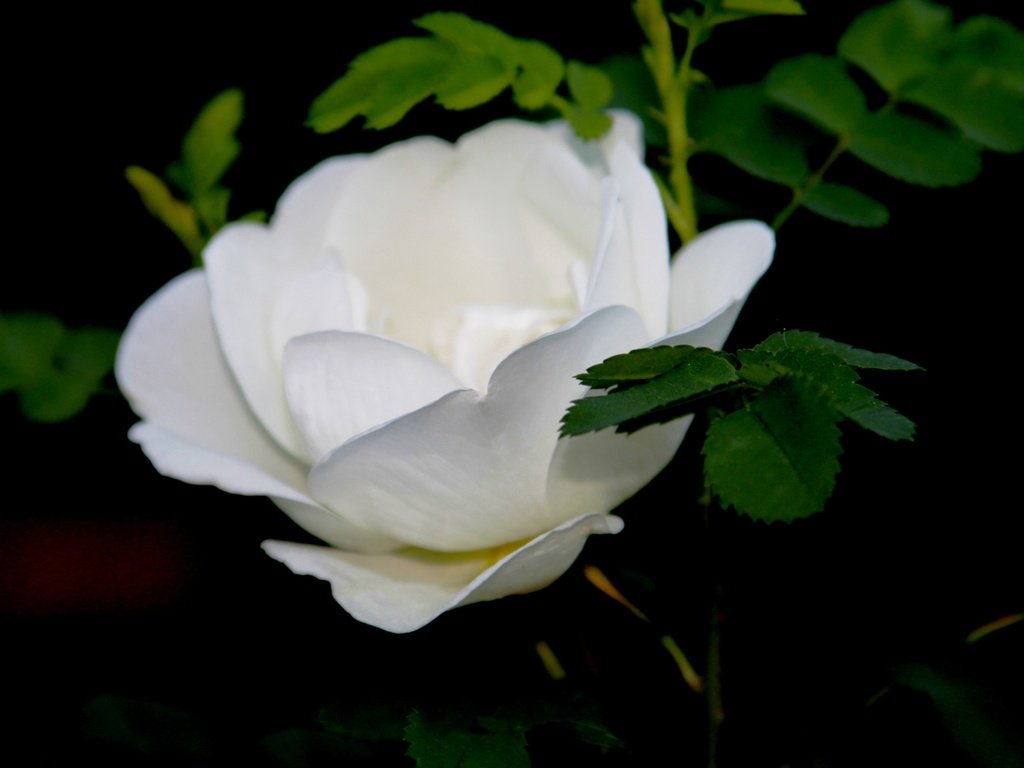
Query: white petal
[467,473]
[401,592]
[340,384]
[197,426]
[711,279]
[611,277]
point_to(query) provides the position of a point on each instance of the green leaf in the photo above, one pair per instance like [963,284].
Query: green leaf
[541,72]
[839,383]
[210,147]
[699,373]
[993,46]
[177,216]
[858,358]
[590,87]
[28,343]
[980,722]
[777,459]
[898,42]
[588,124]
[980,104]
[763,7]
[914,151]
[455,739]
[469,35]
[737,124]
[55,371]
[634,90]
[841,203]
[148,728]
[638,365]
[383,84]
[366,722]
[212,208]
[306,748]
[818,88]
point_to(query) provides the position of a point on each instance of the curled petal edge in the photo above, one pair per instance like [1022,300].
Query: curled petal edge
[403,591]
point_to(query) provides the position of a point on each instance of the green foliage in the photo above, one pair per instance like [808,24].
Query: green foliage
[208,151]
[53,369]
[845,204]
[308,748]
[695,373]
[465,63]
[818,88]
[146,728]
[898,42]
[772,450]
[777,458]
[724,11]
[737,124]
[634,89]
[914,151]
[993,47]
[457,738]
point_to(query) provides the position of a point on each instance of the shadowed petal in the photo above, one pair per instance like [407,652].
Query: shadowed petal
[403,591]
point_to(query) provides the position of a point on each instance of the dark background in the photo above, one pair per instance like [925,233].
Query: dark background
[118,581]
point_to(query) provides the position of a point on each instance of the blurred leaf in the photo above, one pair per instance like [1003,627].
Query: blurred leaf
[818,88]
[177,216]
[366,722]
[700,372]
[980,723]
[993,46]
[28,343]
[914,151]
[147,728]
[541,72]
[634,89]
[210,147]
[306,748]
[841,203]
[212,208]
[736,123]
[898,42]
[858,358]
[588,124]
[777,459]
[54,370]
[456,739]
[977,102]
[788,7]
[589,86]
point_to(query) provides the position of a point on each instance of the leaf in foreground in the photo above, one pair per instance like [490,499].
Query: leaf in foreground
[777,459]
[858,358]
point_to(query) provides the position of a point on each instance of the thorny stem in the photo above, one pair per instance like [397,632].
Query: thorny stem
[673,86]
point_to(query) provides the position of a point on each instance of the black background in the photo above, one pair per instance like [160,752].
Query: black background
[120,581]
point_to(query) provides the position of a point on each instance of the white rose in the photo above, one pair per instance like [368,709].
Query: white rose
[389,359]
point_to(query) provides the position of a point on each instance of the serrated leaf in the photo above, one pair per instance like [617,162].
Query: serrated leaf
[818,88]
[700,373]
[590,87]
[898,42]
[469,35]
[210,147]
[637,365]
[177,216]
[992,45]
[473,80]
[541,72]
[777,459]
[384,83]
[841,203]
[976,101]
[914,151]
[634,90]
[858,358]
[839,383]
[455,740]
[736,123]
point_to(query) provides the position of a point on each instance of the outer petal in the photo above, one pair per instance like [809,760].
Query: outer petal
[271,284]
[711,279]
[340,384]
[401,592]
[467,473]
[197,427]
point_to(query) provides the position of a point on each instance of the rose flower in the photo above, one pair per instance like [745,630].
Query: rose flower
[388,360]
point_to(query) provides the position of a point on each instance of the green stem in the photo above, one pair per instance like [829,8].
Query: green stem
[673,88]
[807,185]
